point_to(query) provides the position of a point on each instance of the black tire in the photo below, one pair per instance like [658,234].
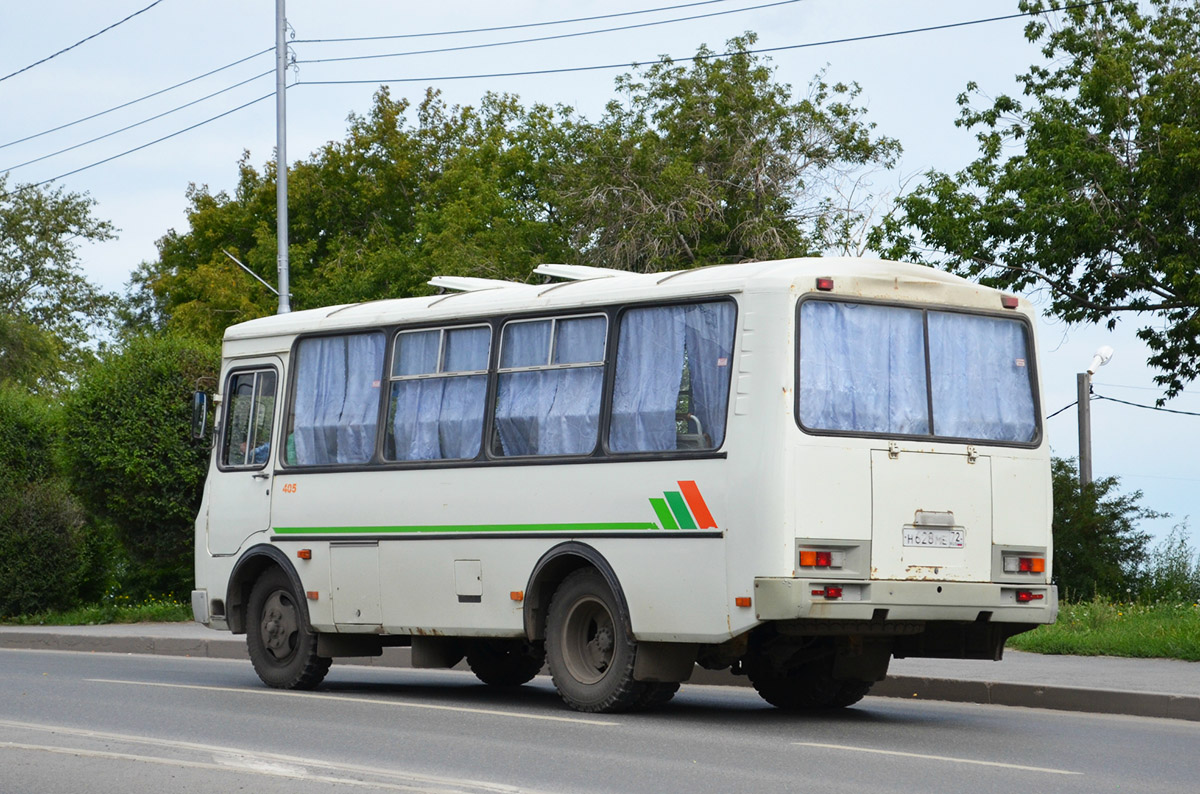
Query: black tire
[806,688]
[283,649]
[655,695]
[590,651]
[505,662]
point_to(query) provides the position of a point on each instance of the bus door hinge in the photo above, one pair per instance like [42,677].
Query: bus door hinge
[894,450]
[972,454]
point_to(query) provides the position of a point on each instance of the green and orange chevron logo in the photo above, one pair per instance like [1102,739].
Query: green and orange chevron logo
[683,509]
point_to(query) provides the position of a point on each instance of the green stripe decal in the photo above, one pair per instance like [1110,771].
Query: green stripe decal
[680,509]
[461,528]
[663,513]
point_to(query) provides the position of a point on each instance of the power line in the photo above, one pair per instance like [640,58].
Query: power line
[1147,407]
[510,27]
[551,38]
[1060,410]
[138,123]
[135,101]
[143,146]
[763,50]
[544,71]
[81,41]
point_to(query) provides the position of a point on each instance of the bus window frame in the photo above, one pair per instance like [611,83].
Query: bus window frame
[222,428]
[600,454]
[1031,362]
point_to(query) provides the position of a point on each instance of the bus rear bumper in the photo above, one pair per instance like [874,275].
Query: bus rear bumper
[781,598]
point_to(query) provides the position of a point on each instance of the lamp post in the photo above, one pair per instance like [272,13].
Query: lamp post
[1083,382]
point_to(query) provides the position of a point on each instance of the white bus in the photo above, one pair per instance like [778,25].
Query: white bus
[794,469]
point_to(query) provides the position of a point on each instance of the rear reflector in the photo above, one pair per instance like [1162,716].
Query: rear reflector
[1025,596]
[829,591]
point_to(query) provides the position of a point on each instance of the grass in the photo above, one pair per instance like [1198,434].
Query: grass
[1102,628]
[119,609]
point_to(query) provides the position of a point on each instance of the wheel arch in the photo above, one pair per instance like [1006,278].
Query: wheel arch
[554,566]
[257,560]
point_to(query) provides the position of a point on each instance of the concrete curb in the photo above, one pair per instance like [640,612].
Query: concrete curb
[1041,696]
[995,693]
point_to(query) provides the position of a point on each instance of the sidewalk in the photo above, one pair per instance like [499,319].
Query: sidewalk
[1107,685]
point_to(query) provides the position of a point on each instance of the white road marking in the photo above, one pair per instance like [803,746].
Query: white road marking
[370,701]
[271,764]
[947,758]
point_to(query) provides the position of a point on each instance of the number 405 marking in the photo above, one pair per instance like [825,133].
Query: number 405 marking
[289,487]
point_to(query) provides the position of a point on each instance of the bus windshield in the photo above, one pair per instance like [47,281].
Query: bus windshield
[895,370]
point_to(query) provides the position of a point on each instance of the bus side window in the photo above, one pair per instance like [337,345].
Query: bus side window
[336,408]
[250,413]
[439,388]
[549,385]
[672,381]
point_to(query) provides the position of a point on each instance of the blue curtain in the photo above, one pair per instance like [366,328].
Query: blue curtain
[550,411]
[337,398]
[709,339]
[441,417]
[979,371]
[650,354]
[862,368]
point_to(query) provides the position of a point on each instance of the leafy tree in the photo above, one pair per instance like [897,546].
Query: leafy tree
[372,216]
[703,163]
[47,307]
[129,454]
[1089,184]
[715,162]
[1098,550]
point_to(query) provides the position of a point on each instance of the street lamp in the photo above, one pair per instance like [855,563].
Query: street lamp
[1083,382]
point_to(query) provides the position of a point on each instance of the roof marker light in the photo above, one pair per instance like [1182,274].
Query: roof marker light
[824,283]
[1009,301]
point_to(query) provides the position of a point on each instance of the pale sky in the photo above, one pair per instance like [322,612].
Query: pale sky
[909,85]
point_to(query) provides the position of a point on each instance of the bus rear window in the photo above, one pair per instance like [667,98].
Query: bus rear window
[891,370]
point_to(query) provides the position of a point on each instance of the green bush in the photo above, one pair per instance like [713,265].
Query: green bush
[27,437]
[1172,573]
[128,452]
[46,559]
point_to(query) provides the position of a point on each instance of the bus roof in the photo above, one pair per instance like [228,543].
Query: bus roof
[475,297]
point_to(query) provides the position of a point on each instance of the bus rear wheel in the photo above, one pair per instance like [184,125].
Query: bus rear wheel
[805,688]
[590,651]
[283,649]
[505,662]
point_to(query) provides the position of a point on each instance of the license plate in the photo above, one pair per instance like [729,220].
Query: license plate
[933,538]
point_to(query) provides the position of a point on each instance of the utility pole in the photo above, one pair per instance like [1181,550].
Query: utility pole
[1083,383]
[281,169]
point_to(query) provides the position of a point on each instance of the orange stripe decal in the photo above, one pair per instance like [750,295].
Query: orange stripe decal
[695,501]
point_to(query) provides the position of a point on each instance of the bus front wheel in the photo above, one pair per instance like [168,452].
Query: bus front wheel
[590,650]
[283,649]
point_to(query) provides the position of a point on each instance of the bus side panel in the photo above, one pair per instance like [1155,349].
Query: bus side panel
[454,543]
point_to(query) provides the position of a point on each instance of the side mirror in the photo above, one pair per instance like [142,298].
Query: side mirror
[199,415]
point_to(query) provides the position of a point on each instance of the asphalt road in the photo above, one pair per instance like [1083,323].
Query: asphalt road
[72,722]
